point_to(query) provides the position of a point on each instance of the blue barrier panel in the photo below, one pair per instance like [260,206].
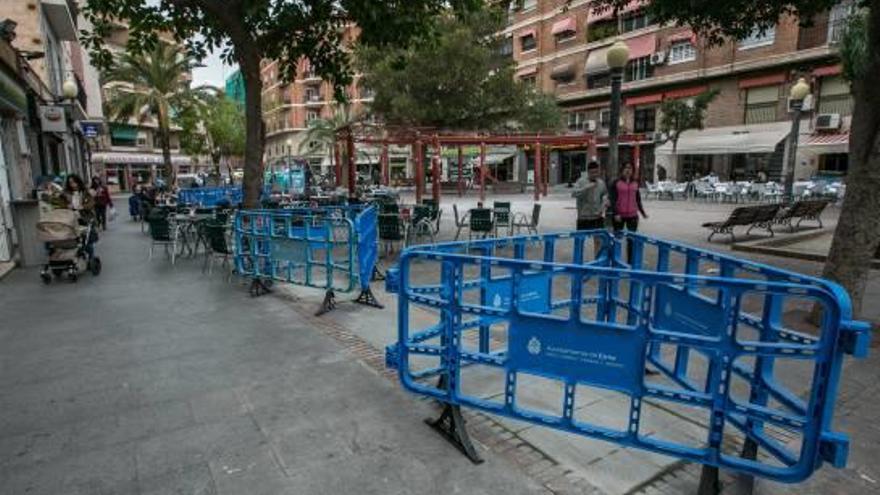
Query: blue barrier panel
[210,196]
[674,327]
[330,248]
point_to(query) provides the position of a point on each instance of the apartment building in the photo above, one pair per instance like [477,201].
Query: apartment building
[289,108]
[560,47]
[130,153]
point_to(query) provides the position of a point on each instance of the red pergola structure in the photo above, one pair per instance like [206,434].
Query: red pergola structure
[421,138]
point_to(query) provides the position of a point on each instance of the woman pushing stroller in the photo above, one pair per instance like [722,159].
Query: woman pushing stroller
[69,231]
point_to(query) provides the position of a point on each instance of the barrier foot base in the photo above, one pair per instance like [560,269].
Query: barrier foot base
[329,303]
[259,287]
[709,482]
[367,298]
[451,425]
[377,275]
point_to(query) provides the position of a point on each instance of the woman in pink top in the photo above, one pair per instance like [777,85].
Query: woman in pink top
[626,204]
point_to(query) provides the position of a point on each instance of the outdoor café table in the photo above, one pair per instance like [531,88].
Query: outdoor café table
[187,228]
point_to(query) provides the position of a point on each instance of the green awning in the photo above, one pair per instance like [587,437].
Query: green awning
[123,131]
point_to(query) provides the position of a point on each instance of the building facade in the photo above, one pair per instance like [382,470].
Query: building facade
[129,153]
[289,109]
[560,47]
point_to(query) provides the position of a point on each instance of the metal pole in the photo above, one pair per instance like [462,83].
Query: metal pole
[420,170]
[537,174]
[352,165]
[482,172]
[614,126]
[797,105]
[385,165]
[637,165]
[436,173]
[460,166]
[545,179]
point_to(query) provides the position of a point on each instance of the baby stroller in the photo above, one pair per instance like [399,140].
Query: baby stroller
[70,245]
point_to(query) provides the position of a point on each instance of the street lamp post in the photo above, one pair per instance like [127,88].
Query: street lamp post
[616,57]
[798,92]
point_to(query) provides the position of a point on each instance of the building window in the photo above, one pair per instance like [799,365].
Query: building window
[682,51]
[528,42]
[837,20]
[601,80]
[834,164]
[644,119]
[577,121]
[605,118]
[761,104]
[834,96]
[639,69]
[530,80]
[601,30]
[312,115]
[506,48]
[523,5]
[757,38]
[313,94]
[638,20]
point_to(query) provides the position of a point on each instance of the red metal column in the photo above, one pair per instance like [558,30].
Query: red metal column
[385,165]
[637,165]
[352,165]
[419,164]
[482,172]
[337,165]
[538,172]
[545,179]
[460,159]
[436,172]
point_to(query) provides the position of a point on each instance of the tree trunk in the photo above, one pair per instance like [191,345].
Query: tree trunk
[253,153]
[858,229]
[165,137]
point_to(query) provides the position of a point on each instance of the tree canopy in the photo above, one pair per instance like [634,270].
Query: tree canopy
[250,31]
[679,115]
[456,77]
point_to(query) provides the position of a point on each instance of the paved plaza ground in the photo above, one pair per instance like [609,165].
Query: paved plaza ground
[159,379]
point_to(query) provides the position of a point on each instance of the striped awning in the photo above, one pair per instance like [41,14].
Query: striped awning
[566,25]
[829,139]
[110,157]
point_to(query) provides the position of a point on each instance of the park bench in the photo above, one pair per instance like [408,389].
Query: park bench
[761,216]
[802,210]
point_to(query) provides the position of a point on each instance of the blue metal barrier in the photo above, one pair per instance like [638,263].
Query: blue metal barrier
[210,196]
[675,326]
[330,248]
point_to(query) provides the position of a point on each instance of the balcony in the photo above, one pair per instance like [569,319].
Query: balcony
[61,15]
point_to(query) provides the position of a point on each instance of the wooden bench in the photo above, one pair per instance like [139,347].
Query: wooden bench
[802,210]
[762,217]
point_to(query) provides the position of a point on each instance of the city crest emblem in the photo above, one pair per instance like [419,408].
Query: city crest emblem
[534,346]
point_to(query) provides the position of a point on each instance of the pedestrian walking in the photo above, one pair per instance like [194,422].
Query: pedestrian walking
[626,204]
[102,201]
[591,198]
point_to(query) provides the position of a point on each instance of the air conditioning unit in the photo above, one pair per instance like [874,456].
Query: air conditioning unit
[806,106]
[828,122]
[658,58]
[590,126]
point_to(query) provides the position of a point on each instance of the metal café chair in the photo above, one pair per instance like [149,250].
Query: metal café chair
[461,222]
[501,216]
[420,224]
[391,231]
[521,221]
[480,224]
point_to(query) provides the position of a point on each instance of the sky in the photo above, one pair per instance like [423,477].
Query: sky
[214,73]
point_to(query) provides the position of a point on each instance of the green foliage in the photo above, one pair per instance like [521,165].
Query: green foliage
[455,78]
[150,86]
[322,132]
[213,125]
[679,115]
[854,47]
[718,21]
[601,30]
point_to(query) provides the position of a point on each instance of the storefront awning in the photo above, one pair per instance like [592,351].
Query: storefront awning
[756,138]
[118,158]
[765,80]
[833,139]
[563,72]
[527,32]
[644,99]
[596,15]
[527,71]
[643,46]
[123,131]
[828,70]
[685,92]
[596,62]
[564,26]
[686,35]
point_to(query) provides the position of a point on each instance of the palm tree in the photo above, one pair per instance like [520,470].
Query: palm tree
[151,86]
[321,134]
